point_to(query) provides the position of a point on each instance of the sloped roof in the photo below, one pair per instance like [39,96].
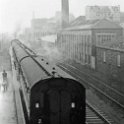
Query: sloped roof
[81,20]
[104,23]
[96,24]
[80,27]
[78,21]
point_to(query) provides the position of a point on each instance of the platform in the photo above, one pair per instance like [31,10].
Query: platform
[7,103]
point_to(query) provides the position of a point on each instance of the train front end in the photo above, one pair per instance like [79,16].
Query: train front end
[57,101]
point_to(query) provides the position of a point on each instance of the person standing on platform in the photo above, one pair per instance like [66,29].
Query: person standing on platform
[5,84]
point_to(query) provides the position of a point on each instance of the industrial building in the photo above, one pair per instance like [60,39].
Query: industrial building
[100,12]
[79,42]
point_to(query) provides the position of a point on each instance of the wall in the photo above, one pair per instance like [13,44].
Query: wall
[110,65]
[76,45]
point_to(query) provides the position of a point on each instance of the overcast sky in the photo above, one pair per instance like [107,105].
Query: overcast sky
[19,12]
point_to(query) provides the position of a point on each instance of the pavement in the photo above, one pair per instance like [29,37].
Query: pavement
[8,114]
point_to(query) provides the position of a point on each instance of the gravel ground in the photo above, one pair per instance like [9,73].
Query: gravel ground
[113,113]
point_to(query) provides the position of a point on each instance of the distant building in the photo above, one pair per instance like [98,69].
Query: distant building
[37,23]
[42,26]
[100,12]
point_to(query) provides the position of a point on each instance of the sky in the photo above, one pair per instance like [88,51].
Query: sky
[15,13]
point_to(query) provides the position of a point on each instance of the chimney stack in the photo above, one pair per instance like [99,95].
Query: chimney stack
[65,13]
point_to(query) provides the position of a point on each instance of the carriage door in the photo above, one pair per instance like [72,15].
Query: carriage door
[59,105]
[65,107]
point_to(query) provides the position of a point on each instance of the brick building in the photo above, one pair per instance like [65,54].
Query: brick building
[79,42]
[110,63]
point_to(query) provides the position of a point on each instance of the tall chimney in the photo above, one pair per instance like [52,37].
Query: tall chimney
[65,13]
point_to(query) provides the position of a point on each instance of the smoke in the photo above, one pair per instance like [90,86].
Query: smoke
[67,49]
[49,50]
[17,29]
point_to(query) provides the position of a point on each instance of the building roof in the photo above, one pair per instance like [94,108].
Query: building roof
[96,24]
[104,23]
[81,20]
[78,21]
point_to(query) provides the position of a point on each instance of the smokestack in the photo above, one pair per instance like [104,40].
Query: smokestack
[65,13]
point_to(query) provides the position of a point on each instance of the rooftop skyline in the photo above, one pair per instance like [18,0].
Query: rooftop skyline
[19,12]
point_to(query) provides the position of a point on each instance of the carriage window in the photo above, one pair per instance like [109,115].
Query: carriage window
[72,105]
[37,105]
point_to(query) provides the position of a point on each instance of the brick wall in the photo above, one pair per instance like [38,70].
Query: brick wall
[107,65]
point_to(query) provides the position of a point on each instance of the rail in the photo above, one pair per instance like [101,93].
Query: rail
[99,114]
[91,85]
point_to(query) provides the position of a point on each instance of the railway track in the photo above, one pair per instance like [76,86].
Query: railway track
[96,116]
[102,83]
[93,114]
[89,83]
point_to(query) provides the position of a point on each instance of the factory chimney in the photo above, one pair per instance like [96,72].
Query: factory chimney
[65,14]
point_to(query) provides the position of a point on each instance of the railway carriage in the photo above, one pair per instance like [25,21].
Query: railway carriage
[49,95]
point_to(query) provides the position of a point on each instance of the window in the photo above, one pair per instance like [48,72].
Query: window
[37,105]
[72,105]
[118,60]
[104,56]
[103,38]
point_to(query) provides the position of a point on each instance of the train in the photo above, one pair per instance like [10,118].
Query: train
[49,95]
